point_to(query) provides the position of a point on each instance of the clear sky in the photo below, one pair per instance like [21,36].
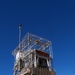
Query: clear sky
[50,19]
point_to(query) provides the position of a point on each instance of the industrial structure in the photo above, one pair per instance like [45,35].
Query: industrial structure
[33,56]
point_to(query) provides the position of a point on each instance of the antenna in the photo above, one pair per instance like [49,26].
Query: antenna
[20,31]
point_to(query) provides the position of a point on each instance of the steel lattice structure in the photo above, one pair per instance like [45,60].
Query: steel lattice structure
[26,51]
[33,42]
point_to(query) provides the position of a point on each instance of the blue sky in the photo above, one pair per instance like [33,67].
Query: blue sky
[50,19]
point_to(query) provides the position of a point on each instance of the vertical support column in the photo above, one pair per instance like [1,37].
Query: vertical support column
[20,28]
[31,59]
[28,40]
[35,65]
[48,63]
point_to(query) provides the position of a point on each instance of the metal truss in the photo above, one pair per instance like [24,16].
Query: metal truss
[33,42]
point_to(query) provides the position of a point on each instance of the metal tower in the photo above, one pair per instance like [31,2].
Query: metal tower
[33,56]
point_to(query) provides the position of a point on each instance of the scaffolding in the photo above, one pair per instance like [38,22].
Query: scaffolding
[33,42]
[25,52]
